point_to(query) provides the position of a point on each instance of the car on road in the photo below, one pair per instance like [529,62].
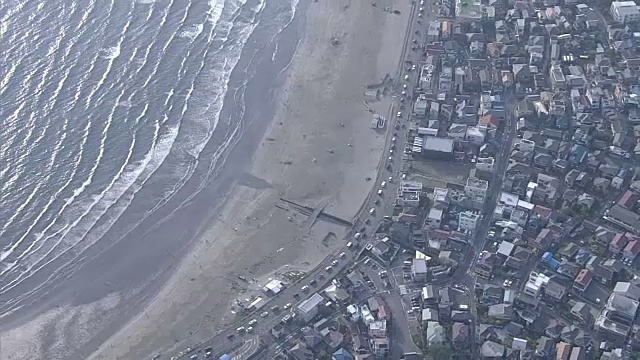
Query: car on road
[349,245]
[264,314]
[372,211]
[406,78]
[208,352]
[380,192]
[193,357]
[305,288]
[383,184]
[249,329]
[328,268]
[296,295]
[240,329]
[377,202]
[253,322]
[313,282]
[334,262]
[275,308]
[287,306]
[342,255]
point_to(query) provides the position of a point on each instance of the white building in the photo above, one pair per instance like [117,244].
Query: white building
[409,193]
[378,329]
[476,189]
[434,218]
[526,145]
[440,196]
[536,282]
[625,11]
[419,270]
[485,164]
[308,309]
[476,134]
[467,221]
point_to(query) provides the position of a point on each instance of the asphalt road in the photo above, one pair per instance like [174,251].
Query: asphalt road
[230,338]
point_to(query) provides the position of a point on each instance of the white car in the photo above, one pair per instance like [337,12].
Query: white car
[383,184]
[406,78]
[286,307]
[305,288]
[249,329]
[334,262]
[372,211]
[399,114]
[342,255]
[253,322]
[264,314]
[240,329]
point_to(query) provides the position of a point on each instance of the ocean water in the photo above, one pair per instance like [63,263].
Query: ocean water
[106,107]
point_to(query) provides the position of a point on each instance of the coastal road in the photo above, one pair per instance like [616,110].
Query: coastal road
[322,275]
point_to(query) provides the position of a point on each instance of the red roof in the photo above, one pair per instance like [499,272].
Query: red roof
[489,119]
[619,241]
[584,277]
[633,247]
[629,199]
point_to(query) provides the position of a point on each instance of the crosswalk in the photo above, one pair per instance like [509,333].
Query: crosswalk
[246,350]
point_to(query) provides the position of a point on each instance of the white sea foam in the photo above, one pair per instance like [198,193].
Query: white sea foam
[111,52]
[192,32]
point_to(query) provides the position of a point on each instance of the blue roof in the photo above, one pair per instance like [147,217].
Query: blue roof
[342,354]
[225,357]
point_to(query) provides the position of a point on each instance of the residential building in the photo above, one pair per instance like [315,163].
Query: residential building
[419,270]
[378,329]
[435,333]
[535,284]
[476,190]
[468,220]
[582,281]
[625,11]
[409,193]
[485,164]
[308,309]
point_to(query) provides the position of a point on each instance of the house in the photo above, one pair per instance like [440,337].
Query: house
[460,335]
[501,311]
[582,281]
[300,352]
[563,351]
[342,354]
[491,350]
[309,307]
[544,347]
[434,334]
[617,243]
[555,291]
[380,347]
[628,290]
[582,312]
[631,251]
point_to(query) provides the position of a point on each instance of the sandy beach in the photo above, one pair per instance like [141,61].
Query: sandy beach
[318,148]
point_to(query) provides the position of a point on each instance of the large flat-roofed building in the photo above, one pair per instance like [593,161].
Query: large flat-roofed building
[624,218]
[625,11]
[308,309]
[476,189]
[437,147]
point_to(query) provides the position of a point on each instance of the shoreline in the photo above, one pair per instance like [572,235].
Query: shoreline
[324,87]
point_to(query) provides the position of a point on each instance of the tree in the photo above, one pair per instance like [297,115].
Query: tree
[439,352]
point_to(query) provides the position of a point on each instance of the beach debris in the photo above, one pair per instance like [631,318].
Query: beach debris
[342,124]
[335,41]
[286,162]
[270,139]
[235,229]
[367,179]
[330,151]
[289,218]
[242,278]
[280,250]
[314,160]
[349,145]
[374,4]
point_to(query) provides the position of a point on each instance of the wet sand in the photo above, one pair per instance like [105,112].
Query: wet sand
[319,147]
